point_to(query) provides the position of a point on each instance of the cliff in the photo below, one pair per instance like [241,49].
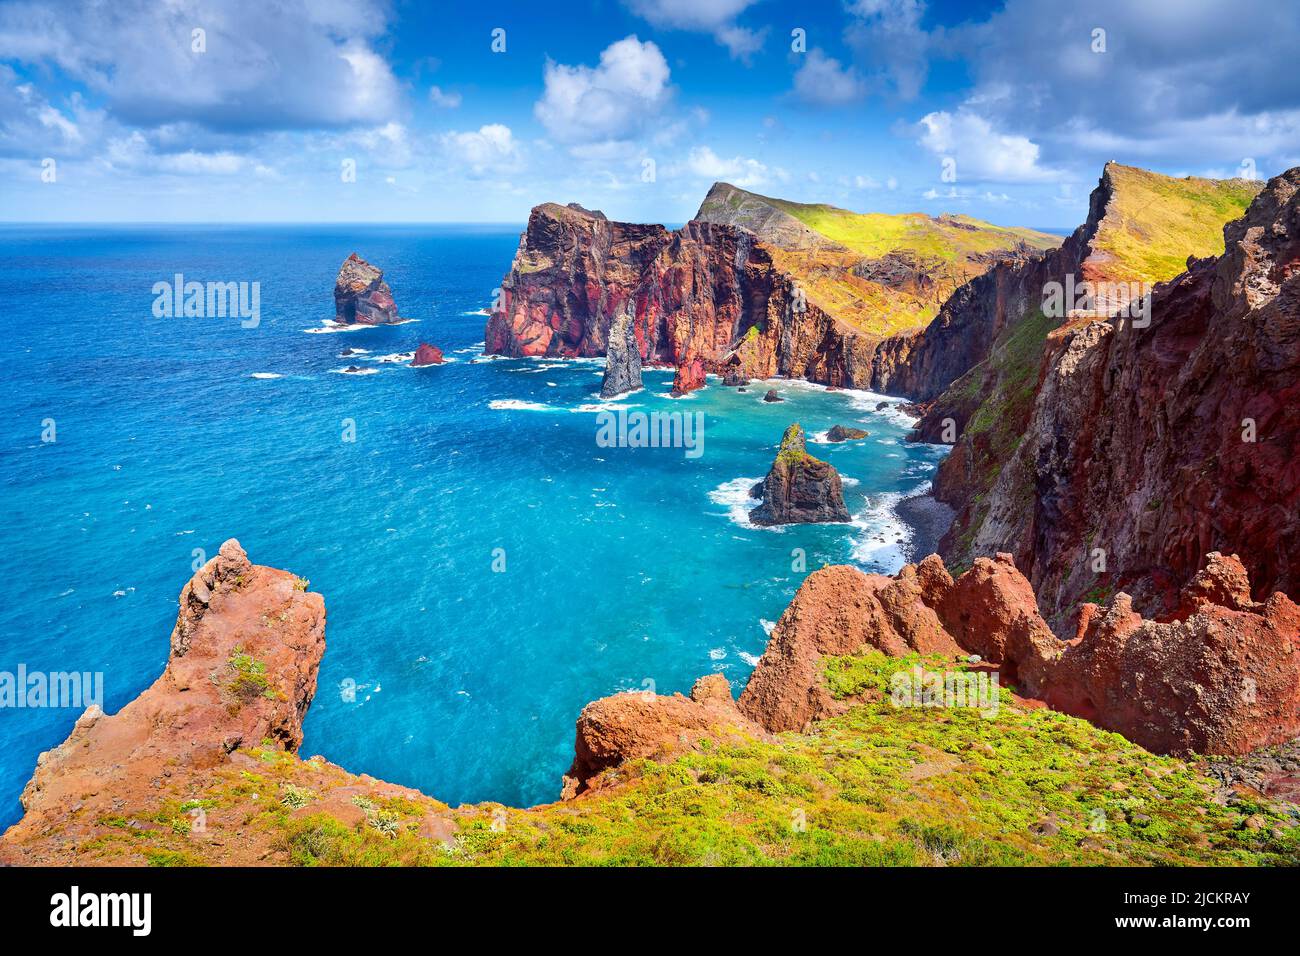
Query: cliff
[717,294]
[832,756]
[1112,454]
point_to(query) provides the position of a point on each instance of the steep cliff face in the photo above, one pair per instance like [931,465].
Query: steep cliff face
[716,294]
[1147,447]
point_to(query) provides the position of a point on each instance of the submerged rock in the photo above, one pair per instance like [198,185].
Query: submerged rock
[622,355]
[845,433]
[799,489]
[427,354]
[361,295]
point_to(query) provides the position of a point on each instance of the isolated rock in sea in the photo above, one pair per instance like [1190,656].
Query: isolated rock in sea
[638,724]
[771,396]
[361,295]
[622,355]
[799,489]
[845,433]
[427,354]
[689,376]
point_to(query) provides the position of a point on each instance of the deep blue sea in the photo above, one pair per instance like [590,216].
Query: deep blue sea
[624,568]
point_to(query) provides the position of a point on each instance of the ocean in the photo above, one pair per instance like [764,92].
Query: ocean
[488,567]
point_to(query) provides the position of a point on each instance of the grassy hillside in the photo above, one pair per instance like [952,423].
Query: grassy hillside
[1154,222]
[879,785]
[878,272]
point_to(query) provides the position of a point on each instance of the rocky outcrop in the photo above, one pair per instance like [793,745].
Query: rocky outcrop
[622,356]
[710,292]
[689,376]
[798,489]
[242,671]
[839,433]
[427,354]
[361,296]
[1141,446]
[1223,679]
[640,724]
[771,396]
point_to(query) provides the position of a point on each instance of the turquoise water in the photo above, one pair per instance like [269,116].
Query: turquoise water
[624,568]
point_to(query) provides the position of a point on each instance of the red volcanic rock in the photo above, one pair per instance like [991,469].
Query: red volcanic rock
[708,292]
[1223,680]
[1155,443]
[689,376]
[244,654]
[644,724]
[427,354]
[840,610]
[361,295]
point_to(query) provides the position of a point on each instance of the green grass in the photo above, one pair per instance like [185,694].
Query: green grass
[1155,222]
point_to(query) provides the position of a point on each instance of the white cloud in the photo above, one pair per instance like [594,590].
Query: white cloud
[889,32]
[291,64]
[704,163]
[614,101]
[824,81]
[446,99]
[716,17]
[981,152]
[490,149]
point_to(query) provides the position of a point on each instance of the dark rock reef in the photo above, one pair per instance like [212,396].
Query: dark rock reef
[839,433]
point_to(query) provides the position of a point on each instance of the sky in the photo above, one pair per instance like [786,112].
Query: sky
[396,111]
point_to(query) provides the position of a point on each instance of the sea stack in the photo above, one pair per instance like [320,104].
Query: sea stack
[799,489]
[771,396]
[361,296]
[622,355]
[427,354]
[689,376]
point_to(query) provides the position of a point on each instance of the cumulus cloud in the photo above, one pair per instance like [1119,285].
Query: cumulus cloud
[292,64]
[611,102]
[981,152]
[889,32]
[491,149]
[1200,79]
[825,81]
[716,17]
[703,163]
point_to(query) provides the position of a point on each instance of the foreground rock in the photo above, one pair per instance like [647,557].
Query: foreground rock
[622,356]
[798,489]
[427,354]
[771,396]
[1224,678]
[840,433]
[639,724]
[361,295]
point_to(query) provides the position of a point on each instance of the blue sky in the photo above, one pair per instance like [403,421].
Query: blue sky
[1004,111]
